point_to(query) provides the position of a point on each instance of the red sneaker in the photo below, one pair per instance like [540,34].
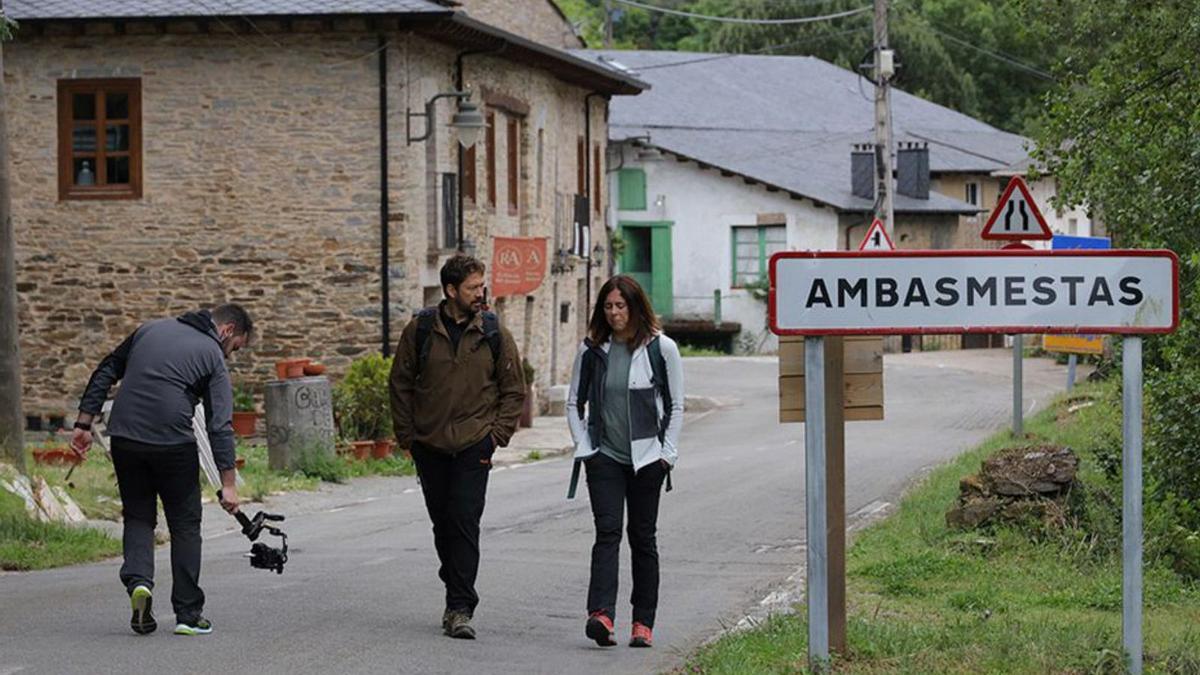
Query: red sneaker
[641,635]
[600,629]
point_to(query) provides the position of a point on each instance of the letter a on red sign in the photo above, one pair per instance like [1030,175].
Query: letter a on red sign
[877,238]
[1016,216]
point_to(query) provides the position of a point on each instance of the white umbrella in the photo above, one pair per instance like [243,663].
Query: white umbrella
[207,463]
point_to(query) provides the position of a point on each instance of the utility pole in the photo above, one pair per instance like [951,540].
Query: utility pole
[608,27]
[12,422]
[885,68]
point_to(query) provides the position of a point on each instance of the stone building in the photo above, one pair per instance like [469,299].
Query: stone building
[260,152]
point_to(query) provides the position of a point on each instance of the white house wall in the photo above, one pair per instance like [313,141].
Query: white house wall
[704,206]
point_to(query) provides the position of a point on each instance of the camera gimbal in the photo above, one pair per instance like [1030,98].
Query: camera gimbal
[261,555]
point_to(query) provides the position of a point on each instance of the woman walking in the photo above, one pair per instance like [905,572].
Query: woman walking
[625,411]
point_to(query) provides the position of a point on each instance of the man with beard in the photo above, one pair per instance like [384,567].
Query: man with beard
[165,368]
[456,392]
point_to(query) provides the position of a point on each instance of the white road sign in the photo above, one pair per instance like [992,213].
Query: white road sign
[1016,216]
[1005,291]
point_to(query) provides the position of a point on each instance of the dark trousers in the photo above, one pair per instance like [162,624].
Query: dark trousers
[145,473]
[454,487]
[612,486]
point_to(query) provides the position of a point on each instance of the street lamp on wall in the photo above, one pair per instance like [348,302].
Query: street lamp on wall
[598,255]
[467,120]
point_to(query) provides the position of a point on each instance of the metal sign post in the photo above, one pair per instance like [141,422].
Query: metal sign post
[1131,511]
[1018,425]
[814,495]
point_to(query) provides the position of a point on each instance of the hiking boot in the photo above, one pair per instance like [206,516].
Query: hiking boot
[457,624]
[197,626]
[641,635]
[142,600]
[600,628]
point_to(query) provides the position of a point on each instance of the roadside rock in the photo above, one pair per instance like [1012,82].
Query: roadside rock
[1017,486]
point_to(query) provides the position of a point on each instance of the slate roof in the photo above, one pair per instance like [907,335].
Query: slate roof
[111,9]
[791,122]
[435,19]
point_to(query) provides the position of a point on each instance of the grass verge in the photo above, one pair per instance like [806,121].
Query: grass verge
[922,598]
[26,544]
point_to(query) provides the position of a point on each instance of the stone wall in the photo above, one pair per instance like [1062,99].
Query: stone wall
[261,186]
[537,20]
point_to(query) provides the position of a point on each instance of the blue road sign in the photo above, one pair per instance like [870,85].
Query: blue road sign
[1071,241]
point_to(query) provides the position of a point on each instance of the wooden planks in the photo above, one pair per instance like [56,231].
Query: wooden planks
[863,381]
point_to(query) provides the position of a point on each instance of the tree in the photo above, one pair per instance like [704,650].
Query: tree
[12,421]
[1122,133]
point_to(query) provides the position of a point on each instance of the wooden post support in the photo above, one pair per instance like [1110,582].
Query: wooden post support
[835,491]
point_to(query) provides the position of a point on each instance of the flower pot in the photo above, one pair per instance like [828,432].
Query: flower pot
[281,368]
[314,369]
[239,463]
[362,449]
[527,408]
[382,449]
[295,368]
[245,423]
[56,455]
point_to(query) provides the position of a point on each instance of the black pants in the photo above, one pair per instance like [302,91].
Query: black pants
[611,486]
[145,473]
[454,487]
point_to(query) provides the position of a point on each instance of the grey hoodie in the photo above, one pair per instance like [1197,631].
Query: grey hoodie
[166,367]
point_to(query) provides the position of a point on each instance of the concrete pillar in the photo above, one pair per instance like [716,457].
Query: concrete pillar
[299,421]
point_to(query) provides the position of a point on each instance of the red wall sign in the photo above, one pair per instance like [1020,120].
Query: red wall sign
[518,265]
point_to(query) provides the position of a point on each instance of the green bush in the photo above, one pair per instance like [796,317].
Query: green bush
[361,402]
[243,399]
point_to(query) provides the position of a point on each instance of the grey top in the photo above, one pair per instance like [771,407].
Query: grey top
[616,405]
[90,9]
[165,368]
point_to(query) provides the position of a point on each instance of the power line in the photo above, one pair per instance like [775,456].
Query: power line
[731,19]
[999,56]
[761,50]
[253,25]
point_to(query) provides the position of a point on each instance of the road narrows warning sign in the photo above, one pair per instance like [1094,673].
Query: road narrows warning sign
[1016,216]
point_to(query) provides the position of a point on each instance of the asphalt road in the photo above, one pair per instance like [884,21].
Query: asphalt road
[361,593]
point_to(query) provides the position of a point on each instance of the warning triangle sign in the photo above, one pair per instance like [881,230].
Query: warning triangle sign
[877,238]
[1016,216]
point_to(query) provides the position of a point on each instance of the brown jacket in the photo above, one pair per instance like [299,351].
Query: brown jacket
[458,399]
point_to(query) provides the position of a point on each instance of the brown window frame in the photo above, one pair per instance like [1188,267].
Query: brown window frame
[468,180]
[67,189]
[581,167]
[514,164]
[597,177]
[490,142]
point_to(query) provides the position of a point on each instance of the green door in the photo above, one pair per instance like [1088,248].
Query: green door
[647,258]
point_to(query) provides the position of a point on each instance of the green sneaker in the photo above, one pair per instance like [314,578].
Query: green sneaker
[198,626]
[142,601]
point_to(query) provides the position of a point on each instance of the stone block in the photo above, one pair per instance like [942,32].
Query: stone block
[299,421]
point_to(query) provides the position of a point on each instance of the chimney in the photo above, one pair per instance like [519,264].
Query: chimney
[862,171]
[912,170]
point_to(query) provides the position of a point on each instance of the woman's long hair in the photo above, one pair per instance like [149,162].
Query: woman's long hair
[641,314]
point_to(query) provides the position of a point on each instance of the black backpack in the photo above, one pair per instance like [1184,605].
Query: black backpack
[491,333]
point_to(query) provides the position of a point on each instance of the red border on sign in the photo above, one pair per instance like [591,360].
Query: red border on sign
[1016,182]
[967,253]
